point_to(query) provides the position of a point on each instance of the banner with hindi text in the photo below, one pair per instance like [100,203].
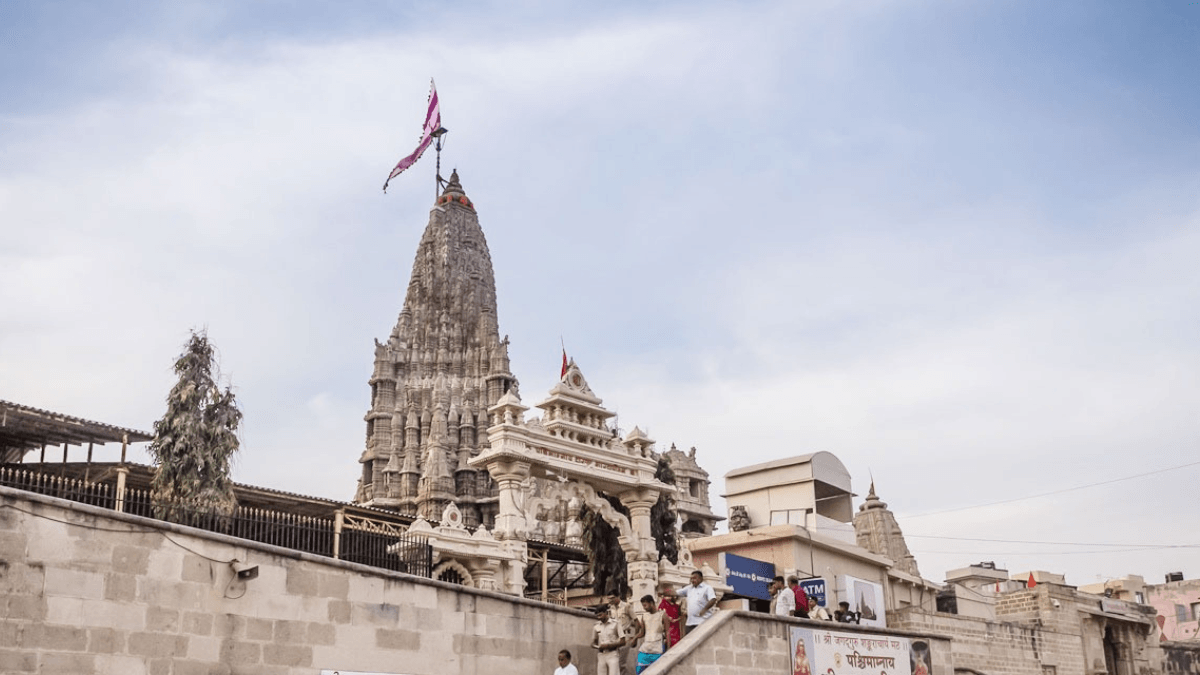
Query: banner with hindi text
[827,652]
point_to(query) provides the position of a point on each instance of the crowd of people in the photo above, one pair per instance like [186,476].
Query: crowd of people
[789,599]
[620,633]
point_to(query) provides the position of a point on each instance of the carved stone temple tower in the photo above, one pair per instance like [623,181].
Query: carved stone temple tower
[877,531]
[440,370]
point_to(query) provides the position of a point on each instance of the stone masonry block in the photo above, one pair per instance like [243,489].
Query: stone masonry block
[125,616]
[198,569]
[157,645]
[12,545]
[130,559]
[372,589]
[30,607]
[8,633]
[120,587]
[321,634]
[301,581]
[406,640]
[162,620]
[422,596]
[378,614]
[229,625]
[238,654]
[290,632]
[67,664]
[197,623]
[339,611]
[171,593]
[158,667]
[287,655]
[17,661]
[63,638]
[260,629]
[63,610]
[120,663]
[333,586]
[105,641]
[431,620]
[22,579]
[203,649]
[74,583]
[95,553]
[194,668]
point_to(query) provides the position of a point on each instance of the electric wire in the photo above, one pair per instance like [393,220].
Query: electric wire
[1055,492]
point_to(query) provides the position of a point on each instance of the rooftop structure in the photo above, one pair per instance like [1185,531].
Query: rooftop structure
[812,491]
[23,429]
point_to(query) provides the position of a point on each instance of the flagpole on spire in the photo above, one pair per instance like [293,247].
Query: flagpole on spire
[438,181]
[431,130]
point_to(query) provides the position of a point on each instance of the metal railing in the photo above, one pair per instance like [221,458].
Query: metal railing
[352,538]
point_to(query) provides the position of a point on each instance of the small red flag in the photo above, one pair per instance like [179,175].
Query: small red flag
[564,368]
[1031,583]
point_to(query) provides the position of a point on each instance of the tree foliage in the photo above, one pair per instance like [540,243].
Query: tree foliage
[664,516]
[195,441]
[606,560]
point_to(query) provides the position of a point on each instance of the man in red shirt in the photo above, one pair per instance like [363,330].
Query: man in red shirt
[801,597]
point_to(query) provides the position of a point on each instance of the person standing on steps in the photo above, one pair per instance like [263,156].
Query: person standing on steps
[606,640]
[701,601]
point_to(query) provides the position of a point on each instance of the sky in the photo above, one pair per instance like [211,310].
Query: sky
[953,243]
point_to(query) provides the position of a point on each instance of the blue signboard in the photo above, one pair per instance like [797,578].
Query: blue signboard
[748,577]
[815,588]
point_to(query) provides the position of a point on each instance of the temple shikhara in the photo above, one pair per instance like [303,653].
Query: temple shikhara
[442,368]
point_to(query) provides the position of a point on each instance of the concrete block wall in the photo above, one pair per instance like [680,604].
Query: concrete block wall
[999,648]
[86,590]
[751,643]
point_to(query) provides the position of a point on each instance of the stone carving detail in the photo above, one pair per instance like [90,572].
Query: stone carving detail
[436,375]
[739,520]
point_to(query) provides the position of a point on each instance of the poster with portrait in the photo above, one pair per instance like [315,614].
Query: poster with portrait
[827,652]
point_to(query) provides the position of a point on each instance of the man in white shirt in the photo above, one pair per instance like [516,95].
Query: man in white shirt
[785,600]
[565,667]
[701,601]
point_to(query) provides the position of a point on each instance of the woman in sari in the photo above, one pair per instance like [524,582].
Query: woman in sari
[674,607]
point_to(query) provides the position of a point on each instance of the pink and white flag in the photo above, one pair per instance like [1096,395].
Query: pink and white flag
[433,122]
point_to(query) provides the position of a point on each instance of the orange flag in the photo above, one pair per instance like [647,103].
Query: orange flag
[1031,583]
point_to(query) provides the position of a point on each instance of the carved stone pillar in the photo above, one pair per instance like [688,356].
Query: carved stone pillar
[509,473]
[641,553]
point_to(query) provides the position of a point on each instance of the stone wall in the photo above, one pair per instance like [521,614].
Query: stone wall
[752,643]
[87,590]
[996,648]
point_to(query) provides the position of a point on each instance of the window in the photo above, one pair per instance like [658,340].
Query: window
[1140,597]
[789,517]
[1181,613]
[1195,610]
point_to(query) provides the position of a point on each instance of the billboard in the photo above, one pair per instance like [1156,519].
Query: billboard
[865,597]
[827,652]
[748,577]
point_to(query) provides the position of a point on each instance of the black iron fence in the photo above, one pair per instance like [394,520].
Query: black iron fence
[360,540]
